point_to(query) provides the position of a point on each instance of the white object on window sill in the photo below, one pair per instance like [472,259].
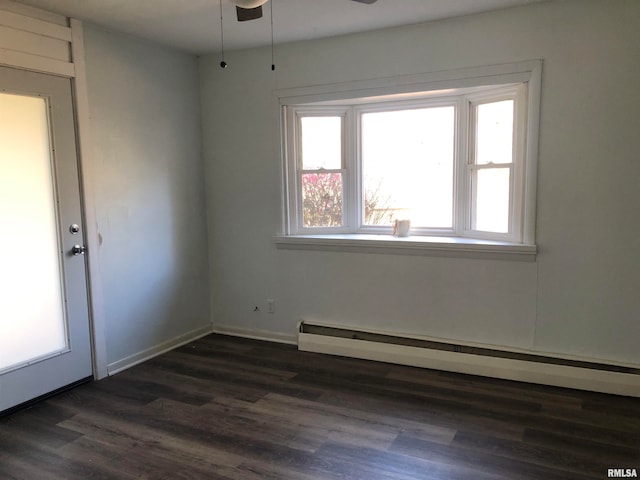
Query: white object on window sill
[402,228]
[414,245]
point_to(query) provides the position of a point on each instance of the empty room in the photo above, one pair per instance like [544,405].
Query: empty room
[319,239]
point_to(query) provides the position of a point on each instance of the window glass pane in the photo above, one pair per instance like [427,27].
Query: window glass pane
[322,199]
[407,161]
[494,134]
[32,320]
[492,200]
[321,139]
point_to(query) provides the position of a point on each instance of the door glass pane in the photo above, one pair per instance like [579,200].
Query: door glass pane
[32,320]
[495,133]
[407,162]
[321,139]
[322,199]
[492,200]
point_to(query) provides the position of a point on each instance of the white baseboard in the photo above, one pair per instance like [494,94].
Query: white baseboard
[505,368]
[256,334]
[156,350]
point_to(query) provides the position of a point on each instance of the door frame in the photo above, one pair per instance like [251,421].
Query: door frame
[86,168]
[71,31]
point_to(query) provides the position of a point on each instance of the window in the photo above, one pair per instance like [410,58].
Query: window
[407,159]
[454,162]
[321,172]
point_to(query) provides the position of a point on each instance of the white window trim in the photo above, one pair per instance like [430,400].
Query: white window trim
[296,170]
[518,178]
[414,245]
[404,88]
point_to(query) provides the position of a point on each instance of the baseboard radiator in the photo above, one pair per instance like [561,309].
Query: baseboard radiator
[474,360]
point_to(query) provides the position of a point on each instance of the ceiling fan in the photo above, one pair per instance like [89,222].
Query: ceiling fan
[252,9]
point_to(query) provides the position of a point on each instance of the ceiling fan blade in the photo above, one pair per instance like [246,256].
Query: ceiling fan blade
[368,2]
[245,14]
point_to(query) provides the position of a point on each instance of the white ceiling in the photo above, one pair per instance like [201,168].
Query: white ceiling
[194,25]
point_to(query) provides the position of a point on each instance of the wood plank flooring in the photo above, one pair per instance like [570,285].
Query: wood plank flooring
[237,409]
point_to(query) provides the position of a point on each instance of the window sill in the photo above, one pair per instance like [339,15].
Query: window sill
[414,245]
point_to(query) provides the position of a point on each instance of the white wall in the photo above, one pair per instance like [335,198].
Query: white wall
[146,145]
[578,298]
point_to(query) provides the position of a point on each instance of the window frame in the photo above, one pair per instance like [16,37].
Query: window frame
[298,169]
[517,93]
[359,110]
[519,82]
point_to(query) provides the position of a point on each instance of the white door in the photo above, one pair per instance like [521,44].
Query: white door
[44,322]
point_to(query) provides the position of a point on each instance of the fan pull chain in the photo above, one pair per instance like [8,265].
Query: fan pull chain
[223,64]
[273,62]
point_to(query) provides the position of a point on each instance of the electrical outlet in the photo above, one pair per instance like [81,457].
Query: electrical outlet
[271,305]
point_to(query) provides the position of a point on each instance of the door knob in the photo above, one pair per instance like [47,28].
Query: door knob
[78,249]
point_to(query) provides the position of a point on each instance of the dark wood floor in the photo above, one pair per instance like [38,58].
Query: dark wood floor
[228,408]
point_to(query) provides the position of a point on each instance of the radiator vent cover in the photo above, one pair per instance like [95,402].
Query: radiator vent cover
[488,361]
[452,347]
